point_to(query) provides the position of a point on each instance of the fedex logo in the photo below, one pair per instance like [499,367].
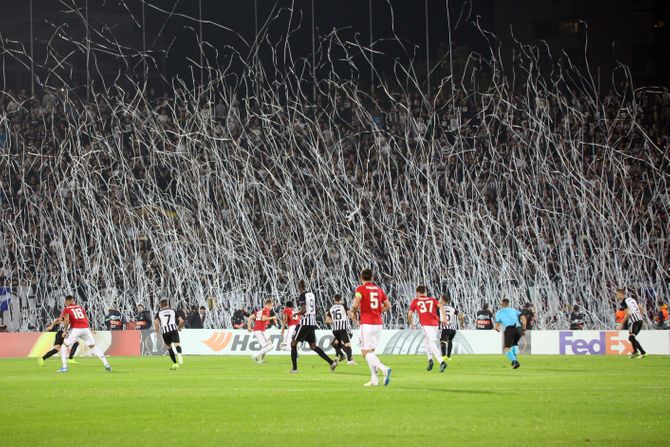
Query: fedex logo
[606,343]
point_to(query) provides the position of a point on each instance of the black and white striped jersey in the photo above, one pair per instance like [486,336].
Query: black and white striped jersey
[634,313]
[338,313]
[307,299]
[168,320]
[449,313]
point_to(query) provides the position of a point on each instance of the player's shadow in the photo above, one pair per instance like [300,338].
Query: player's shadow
[448,390]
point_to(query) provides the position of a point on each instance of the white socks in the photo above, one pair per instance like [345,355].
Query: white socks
[64,354]
[374,363]
[267,348]
[100,355]
[432,350]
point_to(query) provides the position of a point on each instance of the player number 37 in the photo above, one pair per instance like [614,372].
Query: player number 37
[425,306]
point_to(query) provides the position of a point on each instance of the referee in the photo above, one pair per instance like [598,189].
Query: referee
[514,324]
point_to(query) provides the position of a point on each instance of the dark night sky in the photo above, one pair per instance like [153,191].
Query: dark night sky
[350,16]
[175,23]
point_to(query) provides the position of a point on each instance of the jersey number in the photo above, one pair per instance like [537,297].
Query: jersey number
[374,300]
[337,315]
[310,303]
[426,306]
[78,314]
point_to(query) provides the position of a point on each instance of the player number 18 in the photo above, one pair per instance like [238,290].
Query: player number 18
[78,313]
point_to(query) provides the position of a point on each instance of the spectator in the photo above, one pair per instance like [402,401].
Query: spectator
[194,319]
[576,319]
[484,318]
[239,318]
[527,311]
[114,320]
[203,315]
[143,318]
[661,318]
[181,313]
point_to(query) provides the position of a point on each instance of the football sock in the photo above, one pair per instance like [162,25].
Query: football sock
[376,362]
[178,349]
[638,347]
[510,355]
[429,352]
[100,355]
[515,350]
[49,354]
[322,354]
[64,351]
[633,342]
[172,356]
[450,345]
[294,357]
[373,368]
[347,350]
[338,350]
[443,348]
[74,349]
[431,348]
[267,348]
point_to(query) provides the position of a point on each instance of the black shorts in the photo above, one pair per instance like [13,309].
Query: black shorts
[512,336]
[636,327]
[58,341]
[305,333]
[447,335]
[171,337]
[342,335]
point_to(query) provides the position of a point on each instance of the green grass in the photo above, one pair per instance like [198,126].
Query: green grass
[231,401]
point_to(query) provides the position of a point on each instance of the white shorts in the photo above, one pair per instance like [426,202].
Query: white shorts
[262,339]
[288,334]
[83,334]
[429,333]
[370,336]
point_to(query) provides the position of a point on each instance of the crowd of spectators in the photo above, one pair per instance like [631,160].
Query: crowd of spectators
[548,196]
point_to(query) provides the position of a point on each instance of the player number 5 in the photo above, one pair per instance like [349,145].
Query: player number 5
[374,300]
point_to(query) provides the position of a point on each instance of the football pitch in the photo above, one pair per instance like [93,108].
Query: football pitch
[479,400]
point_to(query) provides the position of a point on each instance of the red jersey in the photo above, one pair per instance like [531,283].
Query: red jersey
[372,298]
[259,324]
[77,315]
[426,307]
[292,318]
